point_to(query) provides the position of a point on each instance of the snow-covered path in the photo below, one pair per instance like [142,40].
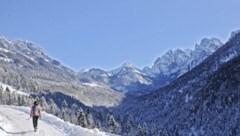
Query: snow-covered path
[17,124]
[13,122]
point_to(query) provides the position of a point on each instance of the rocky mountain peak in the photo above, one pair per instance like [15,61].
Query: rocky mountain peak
[209,44]
[234,33]
[126,67]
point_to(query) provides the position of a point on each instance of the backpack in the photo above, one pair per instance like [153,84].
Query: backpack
[35,110]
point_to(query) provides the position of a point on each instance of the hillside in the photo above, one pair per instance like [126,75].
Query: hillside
[26,67]
[204,101]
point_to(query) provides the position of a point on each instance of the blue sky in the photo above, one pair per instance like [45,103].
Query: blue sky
[106,33]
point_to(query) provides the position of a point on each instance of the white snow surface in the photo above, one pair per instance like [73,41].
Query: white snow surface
[14,121]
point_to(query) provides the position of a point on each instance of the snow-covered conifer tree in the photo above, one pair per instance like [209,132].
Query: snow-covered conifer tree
[81,120]
[112,124]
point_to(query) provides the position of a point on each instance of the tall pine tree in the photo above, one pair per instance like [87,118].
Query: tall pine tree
[64,110]
[1,94]
[8,96]
[145,130]
[44,104]
[81,119]
[112,124]
[90,119]
[139,130]
[52,107]
[129,126]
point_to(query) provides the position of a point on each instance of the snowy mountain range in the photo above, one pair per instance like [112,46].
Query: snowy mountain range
[170,66]
[27,59]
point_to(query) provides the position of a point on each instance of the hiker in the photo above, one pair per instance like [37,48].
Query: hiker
[35,114]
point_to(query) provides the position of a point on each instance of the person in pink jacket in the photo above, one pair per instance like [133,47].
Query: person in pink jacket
[35,114]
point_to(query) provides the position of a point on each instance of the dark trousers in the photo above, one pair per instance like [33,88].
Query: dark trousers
[35,121]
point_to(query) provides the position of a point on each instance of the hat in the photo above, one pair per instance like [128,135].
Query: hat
[36,102]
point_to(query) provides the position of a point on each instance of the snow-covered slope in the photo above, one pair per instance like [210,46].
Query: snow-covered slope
[15,121]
